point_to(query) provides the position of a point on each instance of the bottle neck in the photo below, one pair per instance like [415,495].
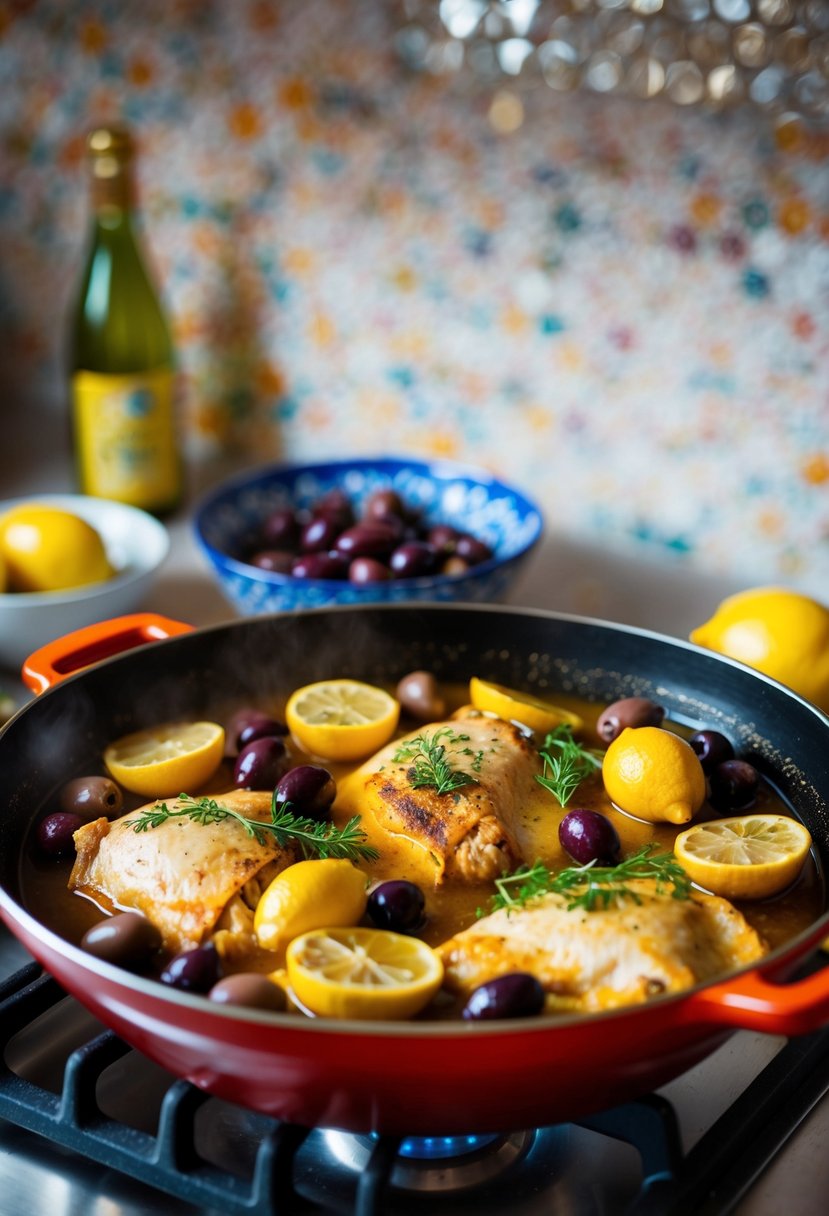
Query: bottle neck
[112,188]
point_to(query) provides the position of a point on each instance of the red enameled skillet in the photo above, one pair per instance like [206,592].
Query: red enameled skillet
[420,1079]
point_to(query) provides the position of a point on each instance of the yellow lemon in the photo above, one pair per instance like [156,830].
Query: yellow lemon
[781,633]
[46,549]
[654,774]
[307,896]
[362,973]
[512,706]
[3,578]
[175,758]
[747,857]
[341,719]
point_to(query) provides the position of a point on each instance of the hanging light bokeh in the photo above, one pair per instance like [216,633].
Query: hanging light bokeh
[770,54]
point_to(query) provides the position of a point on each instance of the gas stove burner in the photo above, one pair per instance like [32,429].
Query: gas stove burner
[436,1163]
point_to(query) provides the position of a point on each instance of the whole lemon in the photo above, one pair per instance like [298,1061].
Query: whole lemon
[779,632]
[654,774]
[47,549]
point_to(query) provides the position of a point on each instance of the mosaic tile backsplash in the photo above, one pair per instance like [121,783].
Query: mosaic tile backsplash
[623,306]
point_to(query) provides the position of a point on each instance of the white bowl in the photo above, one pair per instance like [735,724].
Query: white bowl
[136,545]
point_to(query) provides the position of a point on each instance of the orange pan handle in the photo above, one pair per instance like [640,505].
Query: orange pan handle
[754,1002]
[68,654]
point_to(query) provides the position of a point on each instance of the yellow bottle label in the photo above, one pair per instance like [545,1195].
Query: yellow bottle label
[125,437]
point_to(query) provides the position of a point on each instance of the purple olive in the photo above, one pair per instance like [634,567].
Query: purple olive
[367,540]
[334,505]
[383,504]
[126,939]
[261,764]
[712,748]
[733,785]
[472,550]
[250,724]
[319,535]
[275,561]
[443,538]
[515,995]
[419,695]
[309,788]
[589,836]
[90,797]
[249,988]
[55,833]
[368,570]
[629,711]
[280,530]
[413,559]
[321,565]
[398,905]
[194,970]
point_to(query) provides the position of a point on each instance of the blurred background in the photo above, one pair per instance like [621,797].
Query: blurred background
[514,234]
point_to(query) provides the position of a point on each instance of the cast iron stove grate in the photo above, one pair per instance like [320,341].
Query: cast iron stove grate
[707,1181]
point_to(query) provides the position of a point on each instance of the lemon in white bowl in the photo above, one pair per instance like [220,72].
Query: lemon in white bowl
[120,551]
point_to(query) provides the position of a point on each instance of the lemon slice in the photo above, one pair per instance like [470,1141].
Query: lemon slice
[341,719]
[306,896]
[512,706]
[747,857]
[362,973]
[168,759]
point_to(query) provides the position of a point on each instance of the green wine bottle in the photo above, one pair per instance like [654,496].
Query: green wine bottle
[122,361]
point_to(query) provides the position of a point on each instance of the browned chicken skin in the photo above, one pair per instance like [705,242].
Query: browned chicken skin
[472,832]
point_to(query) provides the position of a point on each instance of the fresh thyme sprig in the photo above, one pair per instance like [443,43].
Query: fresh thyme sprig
[315,839]
[592,886]
[566,763]
[431,766]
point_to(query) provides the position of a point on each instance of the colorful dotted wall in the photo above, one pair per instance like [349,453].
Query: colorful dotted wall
[623,306]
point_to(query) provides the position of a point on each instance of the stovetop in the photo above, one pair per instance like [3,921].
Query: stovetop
[83,1118]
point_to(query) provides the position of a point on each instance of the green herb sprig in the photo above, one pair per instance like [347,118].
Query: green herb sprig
[430,764]
[314,838]
[566,763]
[592,886]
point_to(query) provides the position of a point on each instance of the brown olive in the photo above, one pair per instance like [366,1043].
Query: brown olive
[249,988]
[90,797]
[419,695]
[126,939]
[630,711]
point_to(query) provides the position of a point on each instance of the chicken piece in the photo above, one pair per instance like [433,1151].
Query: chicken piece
[188,878]
[621,955]
[472,832]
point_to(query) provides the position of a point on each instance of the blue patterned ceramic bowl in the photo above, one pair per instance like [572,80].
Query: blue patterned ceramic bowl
[466,498]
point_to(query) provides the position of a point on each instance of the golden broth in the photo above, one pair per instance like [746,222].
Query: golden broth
[453,905]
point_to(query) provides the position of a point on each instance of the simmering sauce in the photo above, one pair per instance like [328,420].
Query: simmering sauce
[454,905]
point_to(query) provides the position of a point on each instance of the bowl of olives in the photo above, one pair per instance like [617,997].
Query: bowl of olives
[288,537]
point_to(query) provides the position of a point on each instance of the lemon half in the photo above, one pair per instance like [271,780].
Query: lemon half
[363,973]
[342,719]
[512,706]
[746,857]
[166,760]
